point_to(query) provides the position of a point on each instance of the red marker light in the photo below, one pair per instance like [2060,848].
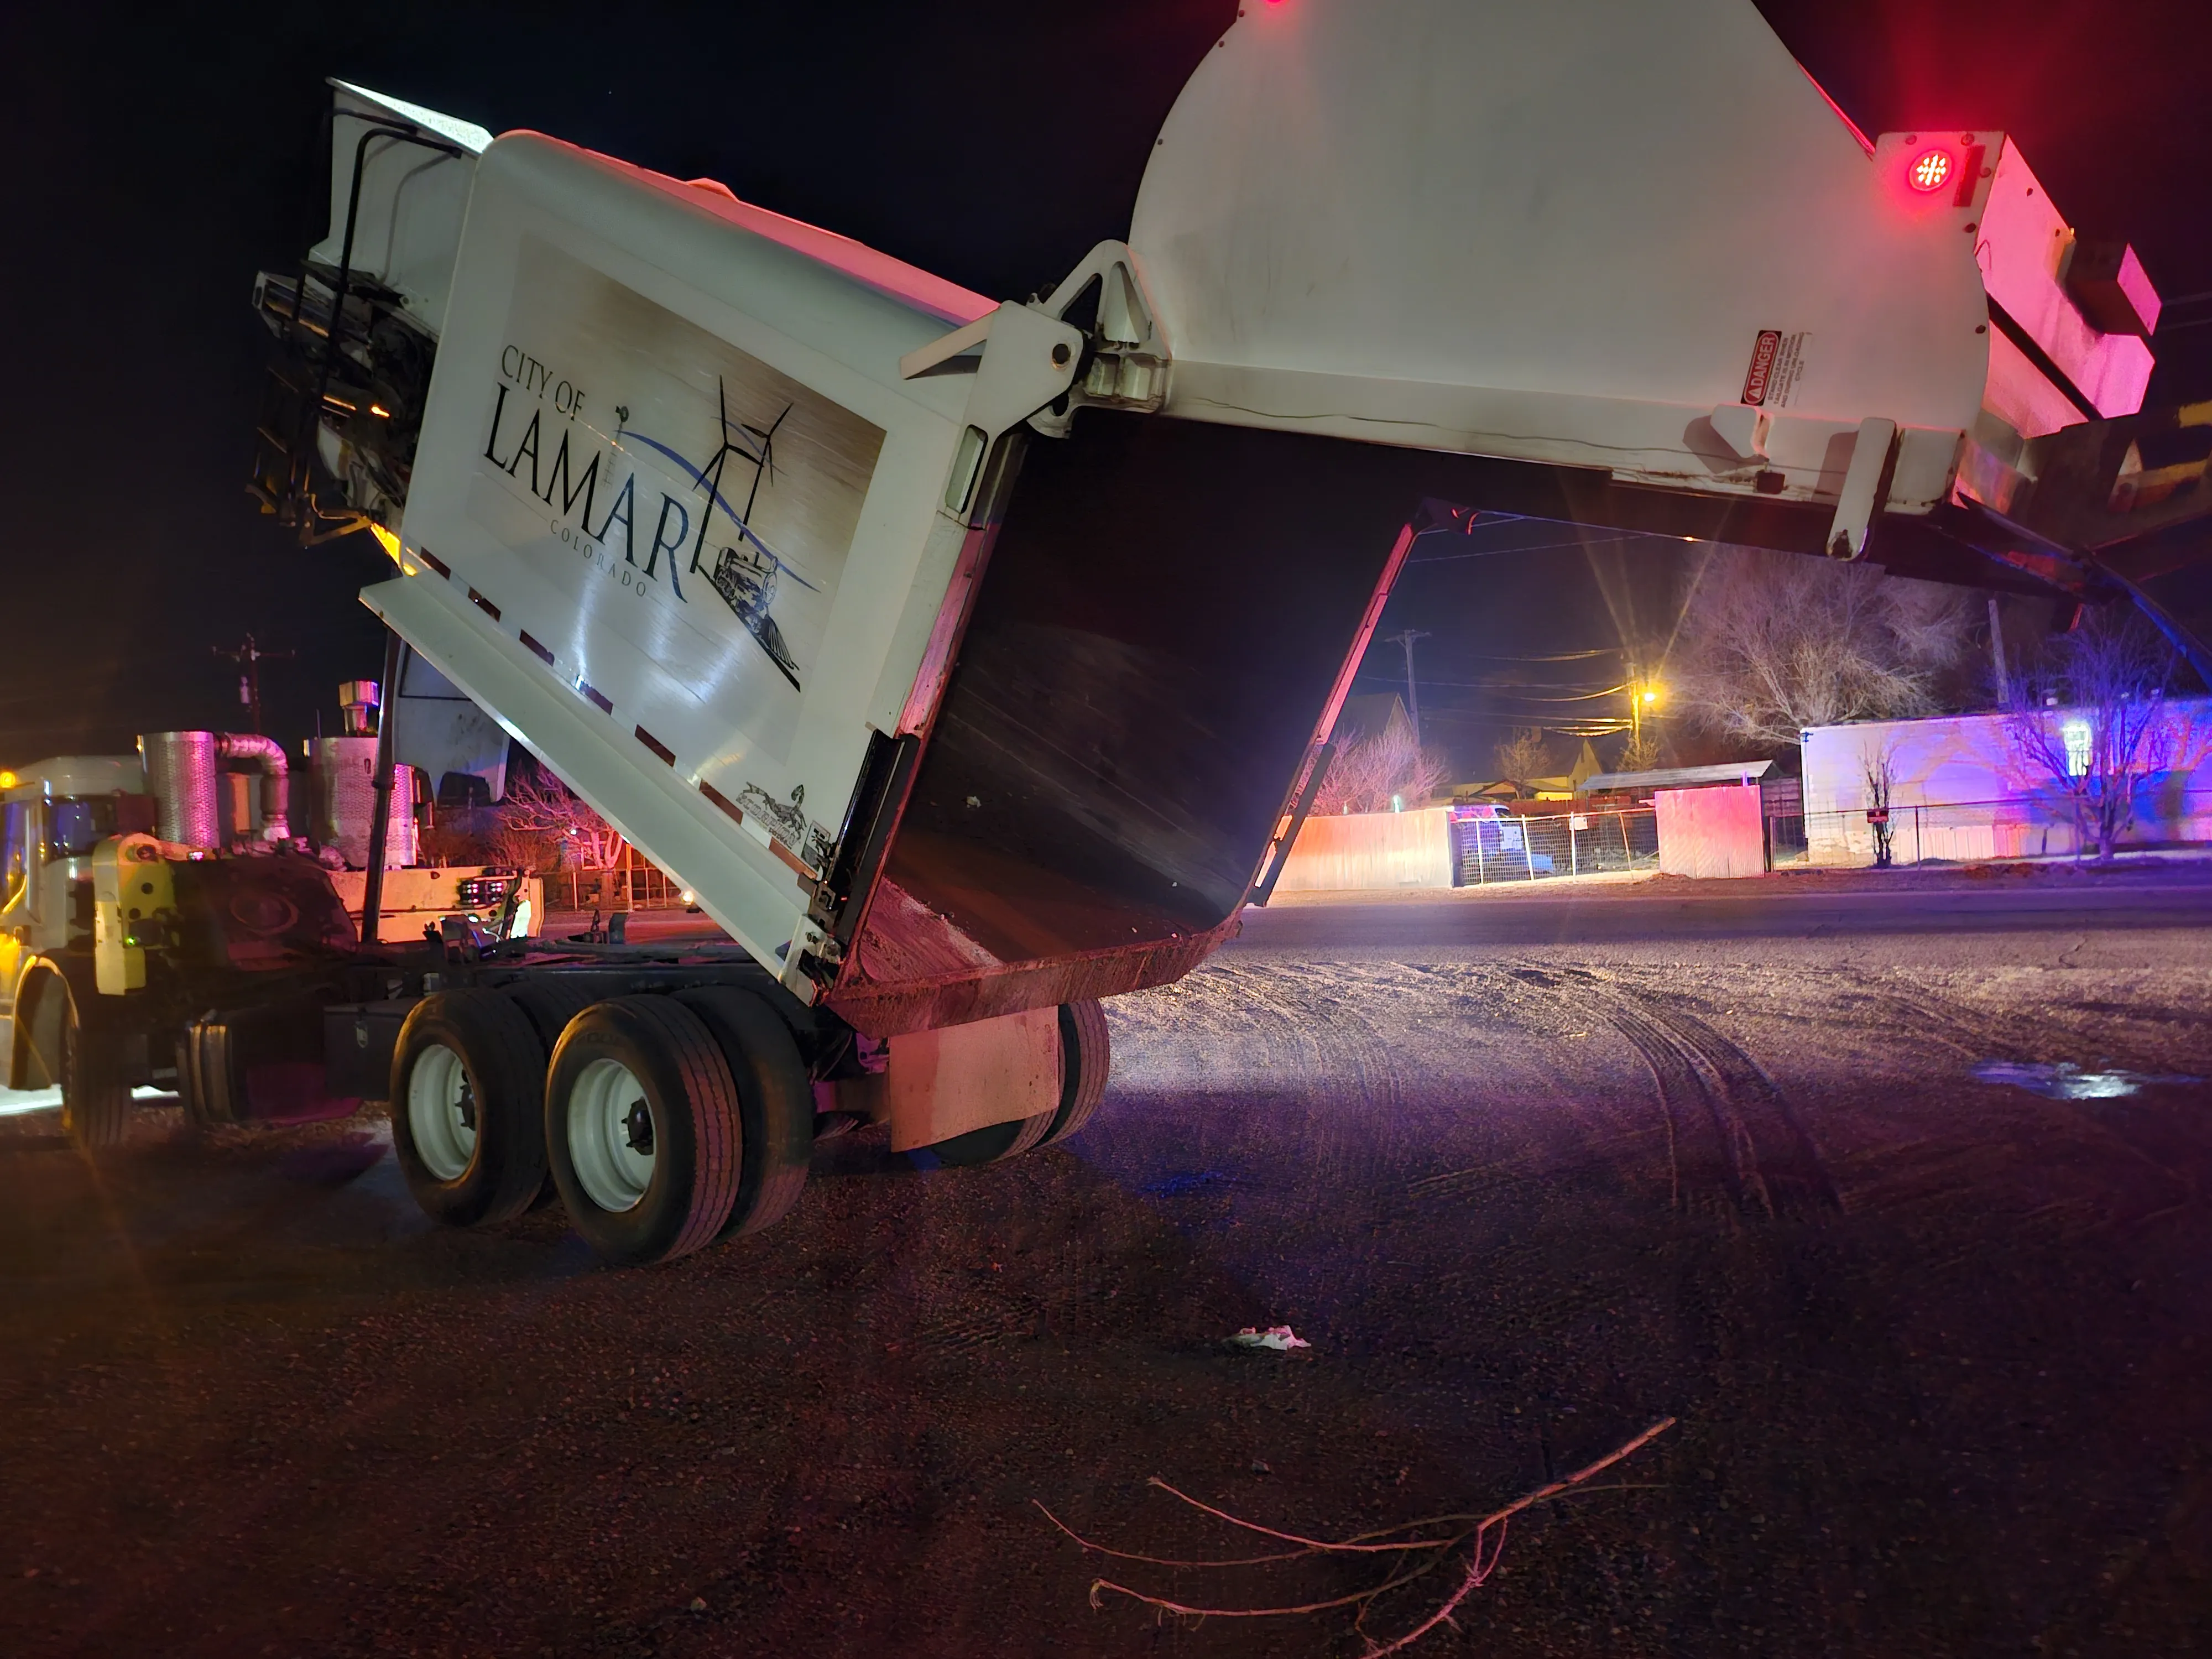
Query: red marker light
[1931,171]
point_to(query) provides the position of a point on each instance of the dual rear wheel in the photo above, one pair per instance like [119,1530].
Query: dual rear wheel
[468,1078]
[673,1121]
[663,1121]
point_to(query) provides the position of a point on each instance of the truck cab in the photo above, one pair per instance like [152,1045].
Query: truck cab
[52,816]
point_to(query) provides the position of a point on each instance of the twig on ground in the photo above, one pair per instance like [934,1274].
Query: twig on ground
[1483,1536]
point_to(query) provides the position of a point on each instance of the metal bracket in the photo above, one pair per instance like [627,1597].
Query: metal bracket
[1743,428]
[1866,488]
[1030,360]
[807,971]
[945,347]
[1033,366]
[1126,357]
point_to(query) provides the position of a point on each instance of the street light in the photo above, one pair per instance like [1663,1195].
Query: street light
[1642,698]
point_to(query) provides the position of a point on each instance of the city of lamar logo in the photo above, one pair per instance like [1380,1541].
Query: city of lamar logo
[743,576]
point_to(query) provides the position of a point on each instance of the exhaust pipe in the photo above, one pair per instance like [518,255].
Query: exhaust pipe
[184,773]
[275,771]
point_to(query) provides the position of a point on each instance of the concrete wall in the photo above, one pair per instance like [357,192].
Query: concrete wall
[1962,790]
[1370,849]
[1717,831]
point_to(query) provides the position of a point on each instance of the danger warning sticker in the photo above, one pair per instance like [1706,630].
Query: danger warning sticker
[1777,363]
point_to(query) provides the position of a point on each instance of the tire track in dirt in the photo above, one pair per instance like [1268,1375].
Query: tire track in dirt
[1735,1143]
[1295,1043]
[1303,1019]
[1938,1019]
[1986,1029]
[1995,1033]
[1353,1045]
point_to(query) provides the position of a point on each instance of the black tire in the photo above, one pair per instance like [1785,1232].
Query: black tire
[644,1129]
[95,1100]
[994,1143]
[1086,1058]
[775,1103]
[549,1001]
[467,1085]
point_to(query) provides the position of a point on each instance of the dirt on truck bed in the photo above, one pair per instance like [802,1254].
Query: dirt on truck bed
[1907,1230]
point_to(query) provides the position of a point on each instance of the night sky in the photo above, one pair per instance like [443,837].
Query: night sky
[158,159]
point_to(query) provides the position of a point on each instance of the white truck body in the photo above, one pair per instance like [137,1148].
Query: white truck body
[562,561]
[1566,233]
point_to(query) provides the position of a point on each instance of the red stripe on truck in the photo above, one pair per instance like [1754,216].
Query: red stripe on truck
[736,812]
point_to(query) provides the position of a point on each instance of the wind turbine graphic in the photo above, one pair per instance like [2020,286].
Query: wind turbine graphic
[763,461]
[709,479]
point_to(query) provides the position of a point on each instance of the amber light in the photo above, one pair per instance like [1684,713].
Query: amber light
[1931,171]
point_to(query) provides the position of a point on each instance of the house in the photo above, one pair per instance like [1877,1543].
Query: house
[1564,787]
[1960,788]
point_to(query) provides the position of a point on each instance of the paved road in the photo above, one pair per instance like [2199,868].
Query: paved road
[1780,907]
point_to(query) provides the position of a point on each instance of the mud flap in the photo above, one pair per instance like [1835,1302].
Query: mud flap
[945,1083]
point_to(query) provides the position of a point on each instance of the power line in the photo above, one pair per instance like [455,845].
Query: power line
[1563,656]
[1605,727]
[1545,547]
[1512,689]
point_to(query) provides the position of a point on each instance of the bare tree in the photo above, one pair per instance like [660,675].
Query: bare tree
[1640,753]
[455,838]
[535,851]
[1773,643]
[1526,755]
[1380,773]
[539,810]
[2093,721]
[1879,761]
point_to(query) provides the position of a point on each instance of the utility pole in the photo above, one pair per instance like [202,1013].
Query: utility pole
[1997,656]
[1644,695]
[250,657]
[1405,637]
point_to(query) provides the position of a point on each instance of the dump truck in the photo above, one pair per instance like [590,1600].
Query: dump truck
[972,660]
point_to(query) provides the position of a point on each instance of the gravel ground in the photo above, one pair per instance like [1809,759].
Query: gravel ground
[1935,1344]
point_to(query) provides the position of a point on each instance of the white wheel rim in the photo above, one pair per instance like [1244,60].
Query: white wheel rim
[441,1112]
[608,1118]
